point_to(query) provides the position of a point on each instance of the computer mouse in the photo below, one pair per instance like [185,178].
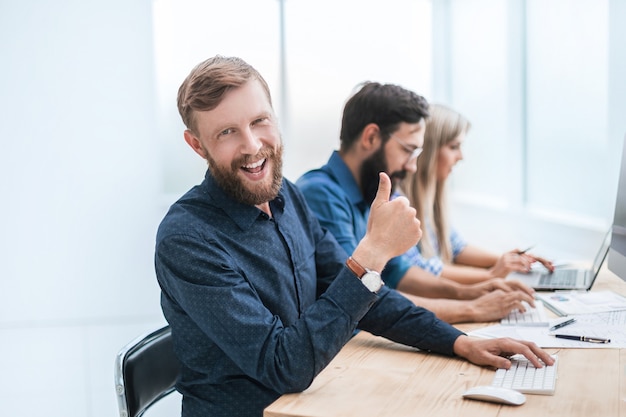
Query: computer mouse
[495,395]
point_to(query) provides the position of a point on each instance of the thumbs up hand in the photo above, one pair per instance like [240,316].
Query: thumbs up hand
[392,228]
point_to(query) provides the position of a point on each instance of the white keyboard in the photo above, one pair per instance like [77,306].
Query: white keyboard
[525,378]
[531,317]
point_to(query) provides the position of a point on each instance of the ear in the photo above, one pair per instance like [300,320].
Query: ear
[370,137]
[195,143]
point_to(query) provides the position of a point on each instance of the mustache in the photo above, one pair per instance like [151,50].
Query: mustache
[400,175]
[264,153]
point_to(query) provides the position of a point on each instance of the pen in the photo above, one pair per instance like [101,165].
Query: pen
[563,324]
[521,252]
[583,338]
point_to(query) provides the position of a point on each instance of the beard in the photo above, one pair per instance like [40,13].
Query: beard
[369,171]
[264,191]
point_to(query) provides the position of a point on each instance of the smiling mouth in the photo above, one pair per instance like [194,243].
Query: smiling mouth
[255,167]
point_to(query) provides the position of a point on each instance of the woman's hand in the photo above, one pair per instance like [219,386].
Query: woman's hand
[517,261]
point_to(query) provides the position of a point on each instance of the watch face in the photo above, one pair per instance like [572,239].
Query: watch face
[372,281]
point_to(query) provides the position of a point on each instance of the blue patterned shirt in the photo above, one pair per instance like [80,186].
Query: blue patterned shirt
[258,306]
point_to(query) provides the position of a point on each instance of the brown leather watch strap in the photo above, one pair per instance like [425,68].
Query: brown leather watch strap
[355,267]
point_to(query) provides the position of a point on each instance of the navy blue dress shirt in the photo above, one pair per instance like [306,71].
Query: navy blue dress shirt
[259,305]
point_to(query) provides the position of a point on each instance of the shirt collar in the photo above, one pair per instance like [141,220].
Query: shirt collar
[244,215]
[345,179]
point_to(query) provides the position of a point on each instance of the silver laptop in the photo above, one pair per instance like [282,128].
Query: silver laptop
[566,278]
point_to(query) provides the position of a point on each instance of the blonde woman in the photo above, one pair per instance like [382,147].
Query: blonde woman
[442,251]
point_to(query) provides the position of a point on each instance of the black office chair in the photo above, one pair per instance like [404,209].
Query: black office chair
[145,371]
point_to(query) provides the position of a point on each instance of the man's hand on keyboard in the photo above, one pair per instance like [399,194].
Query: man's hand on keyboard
[525,378]
[493,352]
[531,317]
[485,287]
[497,304]
[514,285]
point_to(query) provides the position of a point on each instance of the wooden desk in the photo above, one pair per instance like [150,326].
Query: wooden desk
[372,376]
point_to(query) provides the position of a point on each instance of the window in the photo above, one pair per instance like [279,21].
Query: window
[535,83]
[542,84]
[329,48]
[539,81]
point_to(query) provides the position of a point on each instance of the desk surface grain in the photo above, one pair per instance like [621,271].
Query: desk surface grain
[372,376]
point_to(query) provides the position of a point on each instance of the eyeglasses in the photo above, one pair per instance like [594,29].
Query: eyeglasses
[413,152]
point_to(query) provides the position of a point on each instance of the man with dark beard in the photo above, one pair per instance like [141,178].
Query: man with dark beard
[259,297]
[382,130]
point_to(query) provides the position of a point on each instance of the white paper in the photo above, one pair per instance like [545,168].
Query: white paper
[605,325]
[582,302]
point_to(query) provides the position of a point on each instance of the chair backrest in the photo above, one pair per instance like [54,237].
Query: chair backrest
[146,370]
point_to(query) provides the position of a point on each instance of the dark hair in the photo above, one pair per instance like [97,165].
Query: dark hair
[206,84]
[386,105]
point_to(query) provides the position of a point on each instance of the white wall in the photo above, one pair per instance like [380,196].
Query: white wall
[79,183]
[86,162]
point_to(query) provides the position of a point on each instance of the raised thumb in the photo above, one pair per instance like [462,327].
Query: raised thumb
[384,188]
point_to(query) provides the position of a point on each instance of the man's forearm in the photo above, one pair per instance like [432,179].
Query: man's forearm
[450,311]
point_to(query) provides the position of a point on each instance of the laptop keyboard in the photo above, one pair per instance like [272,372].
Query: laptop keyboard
[531,317]
[562,277]
[525,378]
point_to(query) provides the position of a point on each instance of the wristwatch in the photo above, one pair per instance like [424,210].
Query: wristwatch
[371,279]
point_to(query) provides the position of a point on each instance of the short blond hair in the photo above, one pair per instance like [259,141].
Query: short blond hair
[208,82]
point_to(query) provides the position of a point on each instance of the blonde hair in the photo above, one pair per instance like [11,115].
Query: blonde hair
[424,190]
